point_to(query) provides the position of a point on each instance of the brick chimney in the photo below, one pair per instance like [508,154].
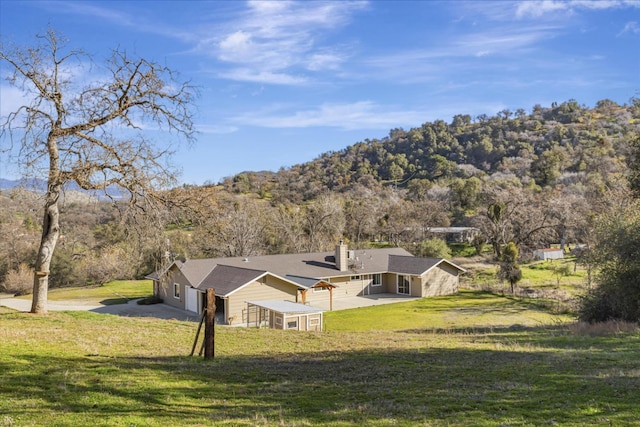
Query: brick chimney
[342,257]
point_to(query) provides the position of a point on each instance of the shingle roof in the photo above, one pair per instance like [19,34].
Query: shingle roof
[313,265]
[195,270]
[415,266]
[411,265]
[225,279]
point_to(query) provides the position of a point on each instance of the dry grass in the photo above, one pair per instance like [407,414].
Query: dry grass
[603,329]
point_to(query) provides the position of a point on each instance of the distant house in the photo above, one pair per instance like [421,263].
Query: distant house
[253,291]
[548,253]
[455,234]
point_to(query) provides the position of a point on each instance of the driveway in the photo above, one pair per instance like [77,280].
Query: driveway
[164,311]
[131,309]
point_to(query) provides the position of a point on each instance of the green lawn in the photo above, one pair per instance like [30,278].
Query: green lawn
[539,275]
[468,309]
[116,292]
[80,368]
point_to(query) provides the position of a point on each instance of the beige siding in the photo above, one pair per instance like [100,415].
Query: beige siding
[273,289]
[304,322]
[346,287]
[416,286]
[166,289]
[317,296]
[442,280]
[315,322]
[389,283]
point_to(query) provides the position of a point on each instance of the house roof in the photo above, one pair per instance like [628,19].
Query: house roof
[312,265]
[225,279]
[416,266]
[451,229]
[195,270]
[286,307]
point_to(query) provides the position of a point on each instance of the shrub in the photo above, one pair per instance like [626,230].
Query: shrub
[435,248]
[19,281]
[149,300]
[611,327]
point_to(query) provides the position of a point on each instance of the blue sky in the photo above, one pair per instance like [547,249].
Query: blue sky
[282,82]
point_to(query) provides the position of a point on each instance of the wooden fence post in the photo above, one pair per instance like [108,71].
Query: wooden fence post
[209,325]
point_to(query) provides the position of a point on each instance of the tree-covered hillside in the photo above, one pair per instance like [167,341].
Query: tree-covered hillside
[561,144]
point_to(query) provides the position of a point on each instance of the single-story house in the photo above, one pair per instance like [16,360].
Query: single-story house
[245,284]
[455,234]
[548,253]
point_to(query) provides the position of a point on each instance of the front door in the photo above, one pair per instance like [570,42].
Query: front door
[404,284]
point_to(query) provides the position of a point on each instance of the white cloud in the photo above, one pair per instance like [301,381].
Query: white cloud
[265,77]
[216,129]
[630,28]
[91,10]
[12,98]
[538,8]
[488,49]
[271,39]
[349,116]
[324,61]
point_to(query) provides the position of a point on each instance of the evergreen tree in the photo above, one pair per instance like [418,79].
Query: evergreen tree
[509,268]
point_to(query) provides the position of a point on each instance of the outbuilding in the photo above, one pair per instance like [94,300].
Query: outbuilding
[548,253]
[284,315]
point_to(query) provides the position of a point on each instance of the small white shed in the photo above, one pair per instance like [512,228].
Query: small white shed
[284,315]
[548,253]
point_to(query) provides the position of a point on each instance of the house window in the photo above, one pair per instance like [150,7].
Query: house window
[292,324]
[404,284]
[278,320]
[319,289]
[376,280]
[315,321]
[176,290]
[355,277]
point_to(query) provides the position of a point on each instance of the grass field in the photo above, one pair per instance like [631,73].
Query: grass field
[116,292]
[80,368]
[557,275]
[467,310]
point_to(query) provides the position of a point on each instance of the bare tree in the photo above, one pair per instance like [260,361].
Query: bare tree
[90,133]
[515,214]
[324,222]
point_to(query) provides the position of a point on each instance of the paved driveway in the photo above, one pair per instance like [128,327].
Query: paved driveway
[164,311]
[131,309]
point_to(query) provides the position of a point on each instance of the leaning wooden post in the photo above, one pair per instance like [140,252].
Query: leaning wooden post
[209,325]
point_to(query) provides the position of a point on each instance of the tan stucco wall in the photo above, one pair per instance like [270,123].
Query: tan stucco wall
[442,280]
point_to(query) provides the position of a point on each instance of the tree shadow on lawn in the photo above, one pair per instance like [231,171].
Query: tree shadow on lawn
[472,304]
[383,386]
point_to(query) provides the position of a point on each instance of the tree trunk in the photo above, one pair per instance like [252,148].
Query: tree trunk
[50,234]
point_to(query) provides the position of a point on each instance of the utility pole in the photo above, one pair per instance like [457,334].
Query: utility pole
[209,325]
